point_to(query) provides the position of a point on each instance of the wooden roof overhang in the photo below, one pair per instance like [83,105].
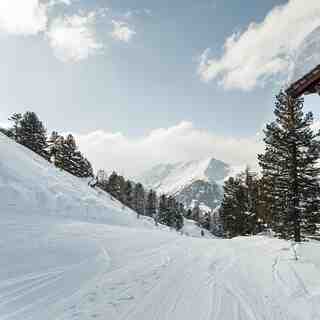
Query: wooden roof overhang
[308,84]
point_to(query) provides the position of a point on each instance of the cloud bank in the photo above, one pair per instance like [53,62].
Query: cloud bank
[121,31]
[264,49]
[181,142]
[27,17]
[73,38]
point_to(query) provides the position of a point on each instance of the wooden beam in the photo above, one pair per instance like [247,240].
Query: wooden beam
[308,84]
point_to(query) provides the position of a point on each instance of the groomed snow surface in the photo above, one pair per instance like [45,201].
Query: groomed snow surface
[61,261]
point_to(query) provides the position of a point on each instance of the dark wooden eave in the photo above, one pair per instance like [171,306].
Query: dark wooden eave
[308,84]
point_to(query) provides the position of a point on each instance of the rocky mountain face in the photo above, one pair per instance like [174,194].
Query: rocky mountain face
[194,181]
[207,194]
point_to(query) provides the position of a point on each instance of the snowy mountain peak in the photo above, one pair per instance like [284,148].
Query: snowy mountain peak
[172,178]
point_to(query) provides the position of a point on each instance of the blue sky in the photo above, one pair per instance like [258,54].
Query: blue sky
[124,69]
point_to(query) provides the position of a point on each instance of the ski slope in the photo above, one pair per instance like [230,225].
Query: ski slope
[58,261]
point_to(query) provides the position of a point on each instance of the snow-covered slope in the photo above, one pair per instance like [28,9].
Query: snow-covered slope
[59,262]
[29,184]
[307,56]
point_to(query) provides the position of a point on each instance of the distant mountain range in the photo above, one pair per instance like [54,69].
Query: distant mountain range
[190,182]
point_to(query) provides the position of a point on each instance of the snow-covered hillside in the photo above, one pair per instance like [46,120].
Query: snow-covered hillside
[59,261]
[29,184]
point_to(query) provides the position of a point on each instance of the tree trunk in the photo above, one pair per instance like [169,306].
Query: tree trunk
[294,180]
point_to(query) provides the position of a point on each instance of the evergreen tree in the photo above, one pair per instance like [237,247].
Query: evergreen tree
[57,151]
[188,214]
[122,186]
[139,199]
[114,185]
[128,191]
[289,166]
[233,208]
[196,212]
[164,215]
[6,132]
[102,180]
[83,168]
[64,154]
[71,158]
[14,131]
[52,145]
[29,131]
[151,205]
[205,221]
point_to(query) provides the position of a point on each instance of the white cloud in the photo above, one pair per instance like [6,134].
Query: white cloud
[121,31]
[73,38]
[178,143]
[23,17]
[263,49]
[57,2]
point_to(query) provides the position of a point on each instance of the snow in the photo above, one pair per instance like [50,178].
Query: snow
[60,262]
[29,184]
[172,178]
[192,229]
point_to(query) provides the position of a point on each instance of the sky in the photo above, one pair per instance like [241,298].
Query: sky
[146,82]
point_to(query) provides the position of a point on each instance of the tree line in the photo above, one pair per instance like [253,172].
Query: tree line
[285,196]
[163,209]
[27,129]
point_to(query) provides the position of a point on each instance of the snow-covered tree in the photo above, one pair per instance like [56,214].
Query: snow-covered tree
[29,131]
[151,204]
[139,199]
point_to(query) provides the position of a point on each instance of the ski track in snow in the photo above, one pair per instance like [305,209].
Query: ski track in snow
[69,252]
[95,271]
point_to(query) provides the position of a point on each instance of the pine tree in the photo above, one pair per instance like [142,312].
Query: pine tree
[196,212]
[83,166]
[14,131]
[29,131]
[233,208]
[251,186]
[102,180]
[205,221]
[289,166]
[122,186]
[188,214]
[151,205]
[52,145]
[114,185]
[163,215]
[128,191]
[64,154]
[139,199]
[72,158]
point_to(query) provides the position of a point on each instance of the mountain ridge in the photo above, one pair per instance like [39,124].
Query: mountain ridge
[196,180]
